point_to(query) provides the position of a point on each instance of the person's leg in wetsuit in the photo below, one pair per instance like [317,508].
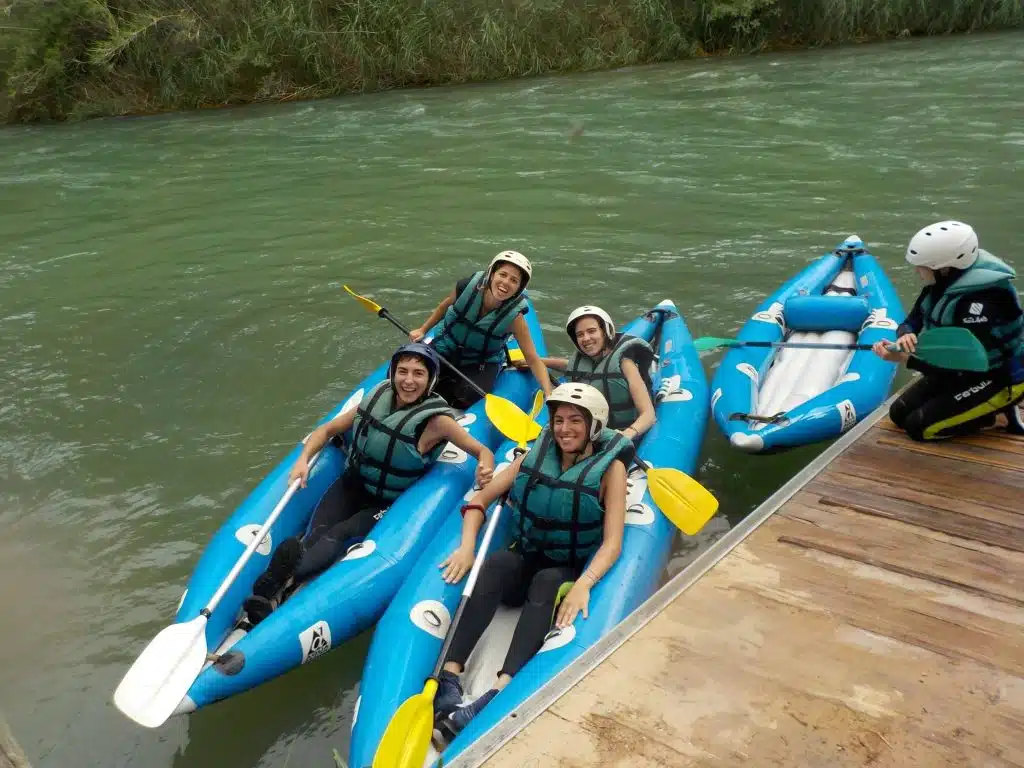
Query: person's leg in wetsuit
[345,514]
[936,407]
[510,578]
[457,392]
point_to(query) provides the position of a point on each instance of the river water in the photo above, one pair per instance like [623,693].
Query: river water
[171,319]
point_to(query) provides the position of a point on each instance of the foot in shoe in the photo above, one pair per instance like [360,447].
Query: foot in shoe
[257,608]
[282,566]
[460,718]
[448,696]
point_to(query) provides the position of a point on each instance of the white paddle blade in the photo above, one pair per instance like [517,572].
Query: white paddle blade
[160,678]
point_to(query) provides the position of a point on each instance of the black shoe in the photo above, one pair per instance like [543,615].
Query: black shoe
[282,565]
[257,608]
[452,725]
[449,695]
[1015,419]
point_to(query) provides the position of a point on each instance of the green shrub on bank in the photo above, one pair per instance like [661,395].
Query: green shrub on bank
[81,58]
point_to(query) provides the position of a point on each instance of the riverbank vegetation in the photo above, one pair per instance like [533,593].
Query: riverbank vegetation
[62,59]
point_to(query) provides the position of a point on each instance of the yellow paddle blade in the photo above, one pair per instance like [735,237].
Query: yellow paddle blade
[515,355]
[684,501]
[407,738]
[368,303]
[538,403]
[510,419]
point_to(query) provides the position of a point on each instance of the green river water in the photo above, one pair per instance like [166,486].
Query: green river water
[171,318]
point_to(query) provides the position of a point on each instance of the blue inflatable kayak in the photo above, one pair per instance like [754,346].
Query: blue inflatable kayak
[409,636]
[352,594]
[765,399]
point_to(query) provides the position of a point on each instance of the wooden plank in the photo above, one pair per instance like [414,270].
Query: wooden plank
[805,506]
[995,488]
[924,614]
[992,456]
[995,438]
[904,552]
[748,670]
[964,526]
[888,487]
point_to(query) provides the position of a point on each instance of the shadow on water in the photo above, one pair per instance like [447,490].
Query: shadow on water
[294,720]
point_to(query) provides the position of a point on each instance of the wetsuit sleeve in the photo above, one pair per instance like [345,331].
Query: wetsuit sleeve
[461,285]
[982,311]
[915,318]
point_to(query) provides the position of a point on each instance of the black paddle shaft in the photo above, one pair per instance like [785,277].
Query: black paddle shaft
[803,345]
[391,318]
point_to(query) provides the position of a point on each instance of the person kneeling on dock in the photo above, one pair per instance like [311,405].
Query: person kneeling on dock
[398,433]
[477,319]
[969,288]
[567,498]
[617,364]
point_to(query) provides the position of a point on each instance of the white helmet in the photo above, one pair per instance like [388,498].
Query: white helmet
[584,311]
[582,396]
[945,244]
[515,258]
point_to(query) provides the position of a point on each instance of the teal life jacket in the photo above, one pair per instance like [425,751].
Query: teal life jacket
[986,273]
[606,374]
[384,441]
[467,338]
[558,514]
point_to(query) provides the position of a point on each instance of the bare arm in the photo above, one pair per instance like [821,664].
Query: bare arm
[445,428]
[554,363]
[336,426]
[317,440]
[613,486]
[641,398]
[458,563]
[614,483]
[498,486]
[522,333]
[435,316]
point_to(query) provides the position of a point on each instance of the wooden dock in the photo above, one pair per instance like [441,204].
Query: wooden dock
[870,613]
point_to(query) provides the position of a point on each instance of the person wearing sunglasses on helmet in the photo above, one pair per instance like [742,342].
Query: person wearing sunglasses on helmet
[618,364]
[567,507]
[476,321]
[398,432]
[965,287]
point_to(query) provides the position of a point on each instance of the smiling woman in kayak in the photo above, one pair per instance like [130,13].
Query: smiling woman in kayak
[965,287]
[617,364]
[567,500]
[477,319]
[398,433]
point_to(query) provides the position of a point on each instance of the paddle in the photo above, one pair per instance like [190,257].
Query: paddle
[945,347]
[508,417]
[687,504]
[162,674]
[407,738]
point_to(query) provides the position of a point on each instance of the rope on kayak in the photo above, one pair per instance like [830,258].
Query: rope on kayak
[778,418]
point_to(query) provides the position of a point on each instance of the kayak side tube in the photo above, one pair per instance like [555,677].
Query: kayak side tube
[347,598]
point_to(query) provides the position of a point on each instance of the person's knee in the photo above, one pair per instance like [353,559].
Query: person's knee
[914,425]
[496,570]
[898,412]
[545,585]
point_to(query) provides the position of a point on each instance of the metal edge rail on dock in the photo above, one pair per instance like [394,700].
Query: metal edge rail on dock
[590,659]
